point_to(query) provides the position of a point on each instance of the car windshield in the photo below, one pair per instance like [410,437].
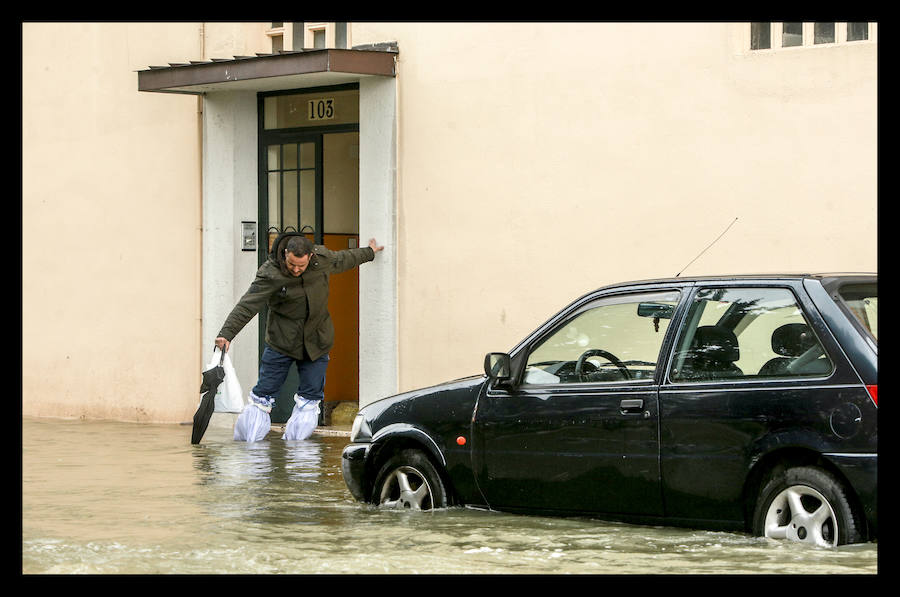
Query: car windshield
[862,300]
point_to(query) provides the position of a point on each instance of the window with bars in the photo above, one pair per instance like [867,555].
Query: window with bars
[321,35]
[857,31]
[766,35]
[276,35]
[290,36]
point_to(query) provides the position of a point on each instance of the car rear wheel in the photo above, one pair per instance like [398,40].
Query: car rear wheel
[409,481]
[807,504]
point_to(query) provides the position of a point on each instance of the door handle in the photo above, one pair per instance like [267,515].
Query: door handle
[631,406]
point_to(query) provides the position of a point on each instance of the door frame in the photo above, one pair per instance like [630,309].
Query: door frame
[266,137]
[229,189]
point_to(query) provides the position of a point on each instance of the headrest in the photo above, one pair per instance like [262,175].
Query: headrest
[792,340]
[716,343]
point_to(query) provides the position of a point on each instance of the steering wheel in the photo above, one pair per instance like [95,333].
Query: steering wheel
[579,364]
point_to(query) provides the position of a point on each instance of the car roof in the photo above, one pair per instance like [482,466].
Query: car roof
[829,280]
[761,276]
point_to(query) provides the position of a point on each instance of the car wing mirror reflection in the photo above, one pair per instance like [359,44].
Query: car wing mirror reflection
[496,366]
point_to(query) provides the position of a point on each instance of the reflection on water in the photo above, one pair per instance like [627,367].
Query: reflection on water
[119,498]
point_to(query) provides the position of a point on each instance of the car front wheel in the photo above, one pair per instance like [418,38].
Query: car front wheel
[809,505]
[409,481]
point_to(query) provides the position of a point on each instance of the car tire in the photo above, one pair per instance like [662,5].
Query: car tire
[807,504]
[409,481]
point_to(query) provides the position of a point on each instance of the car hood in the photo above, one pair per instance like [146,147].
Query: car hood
[450,400]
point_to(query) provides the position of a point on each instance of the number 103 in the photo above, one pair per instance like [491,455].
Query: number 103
[321,109]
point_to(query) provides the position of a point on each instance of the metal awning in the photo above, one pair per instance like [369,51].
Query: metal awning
[272,72]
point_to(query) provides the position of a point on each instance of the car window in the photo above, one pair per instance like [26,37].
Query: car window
[733,333]
[862,300]
[613,339]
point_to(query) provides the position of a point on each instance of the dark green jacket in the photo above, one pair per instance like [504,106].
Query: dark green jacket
[298,315]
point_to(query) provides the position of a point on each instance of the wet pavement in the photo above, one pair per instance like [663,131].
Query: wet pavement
[102,497]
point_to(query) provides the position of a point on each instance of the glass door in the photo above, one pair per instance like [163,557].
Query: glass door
[293,178]
[292,188]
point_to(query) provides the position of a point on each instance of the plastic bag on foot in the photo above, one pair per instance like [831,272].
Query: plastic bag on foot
[304,419]
[254,422]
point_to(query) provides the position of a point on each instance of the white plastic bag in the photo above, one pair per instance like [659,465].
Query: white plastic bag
[229,397]
[304,419]
[254,422]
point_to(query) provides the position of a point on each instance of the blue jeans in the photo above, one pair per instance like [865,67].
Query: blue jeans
[273,370]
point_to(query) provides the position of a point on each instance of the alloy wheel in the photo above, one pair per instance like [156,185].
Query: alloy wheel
[406,488]
[800,513]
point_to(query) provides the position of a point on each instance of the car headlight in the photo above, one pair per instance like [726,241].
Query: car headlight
[360,430]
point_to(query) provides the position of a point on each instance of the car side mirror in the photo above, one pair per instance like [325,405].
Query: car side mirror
[496,366]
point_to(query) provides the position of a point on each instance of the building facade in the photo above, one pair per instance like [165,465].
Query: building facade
[506,167]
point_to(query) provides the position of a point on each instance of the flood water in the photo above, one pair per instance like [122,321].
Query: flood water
[122,498]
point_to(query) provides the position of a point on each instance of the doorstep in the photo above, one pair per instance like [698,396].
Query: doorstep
[227,420]
[320,430]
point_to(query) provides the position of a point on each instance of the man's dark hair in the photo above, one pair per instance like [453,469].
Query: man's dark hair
[299,246]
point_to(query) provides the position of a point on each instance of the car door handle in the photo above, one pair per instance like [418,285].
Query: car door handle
[631,406]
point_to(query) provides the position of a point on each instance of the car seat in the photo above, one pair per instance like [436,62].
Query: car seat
[789,342]
[713,353]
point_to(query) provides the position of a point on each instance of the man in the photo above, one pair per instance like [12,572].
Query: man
[293,283]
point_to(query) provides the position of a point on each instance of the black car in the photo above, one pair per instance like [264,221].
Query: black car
[743,403]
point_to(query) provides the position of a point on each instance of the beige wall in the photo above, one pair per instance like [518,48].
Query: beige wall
[111,218]
[535,162]
[110,225]
[226,40]
[540,161]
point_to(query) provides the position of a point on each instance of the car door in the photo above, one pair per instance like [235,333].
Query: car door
[754,370]
[579,432]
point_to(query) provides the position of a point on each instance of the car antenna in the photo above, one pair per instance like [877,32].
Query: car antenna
[707,248]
